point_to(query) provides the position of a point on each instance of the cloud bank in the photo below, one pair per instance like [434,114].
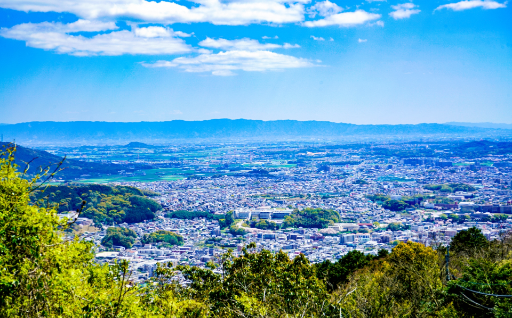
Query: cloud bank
[55,36]
[244,44]
[213,11]
[471,4]
[225,63]
[404,11]
[345,19]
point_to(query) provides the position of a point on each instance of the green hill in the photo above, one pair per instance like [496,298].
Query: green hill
[104,204]
[36,160]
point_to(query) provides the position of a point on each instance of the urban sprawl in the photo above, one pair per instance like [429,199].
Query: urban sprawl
[380,198]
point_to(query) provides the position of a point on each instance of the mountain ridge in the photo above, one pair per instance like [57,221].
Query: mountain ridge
[481,125]
[123,132]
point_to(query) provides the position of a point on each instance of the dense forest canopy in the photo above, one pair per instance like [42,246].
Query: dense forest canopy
[452,187]
[119,236]
[311,218]
[103,204]
[190,215]
[167,237]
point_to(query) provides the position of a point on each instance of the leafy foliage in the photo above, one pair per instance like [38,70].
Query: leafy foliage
[336,274]
[397,227]
[43,275]
[461,187]
[237,231]
[105,204]
[119,236]
[379,198]
[404,284]
[227,221]
[186,215]
[468,241]
[452,187]
[261,285]
[167,237]
[395,205]
[311,218]
[264,225]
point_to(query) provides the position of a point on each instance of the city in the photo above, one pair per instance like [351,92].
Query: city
[379,201]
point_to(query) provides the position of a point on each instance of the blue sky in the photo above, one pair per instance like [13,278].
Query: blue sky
[363,62]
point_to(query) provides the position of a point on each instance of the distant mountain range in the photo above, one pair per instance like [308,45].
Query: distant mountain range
[481,125]
[83,132]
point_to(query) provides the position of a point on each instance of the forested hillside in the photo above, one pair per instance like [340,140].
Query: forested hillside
[37,161]
[104,204]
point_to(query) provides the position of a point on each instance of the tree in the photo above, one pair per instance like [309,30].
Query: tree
[227,221]
[395,205]
[404,284]
[454,217]
[167,237]
[311,218]
[236,231]
[105,204]
[261,284]
[468,241]
[335,274]
[43,275]
[462,187]
[397,227]
[119,236]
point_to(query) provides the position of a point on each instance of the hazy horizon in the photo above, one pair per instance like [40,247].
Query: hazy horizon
[476,124]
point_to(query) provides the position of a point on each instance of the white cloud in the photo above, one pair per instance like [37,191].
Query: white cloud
[78,26]
[156,31]
[236,12]
[324,8]
[269,37]
[54,36]
[404,11]
[225,63]
[317,39]
[290,46]
[243,45]
[362,40]
[331,39]
[471,4]
[344,19]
